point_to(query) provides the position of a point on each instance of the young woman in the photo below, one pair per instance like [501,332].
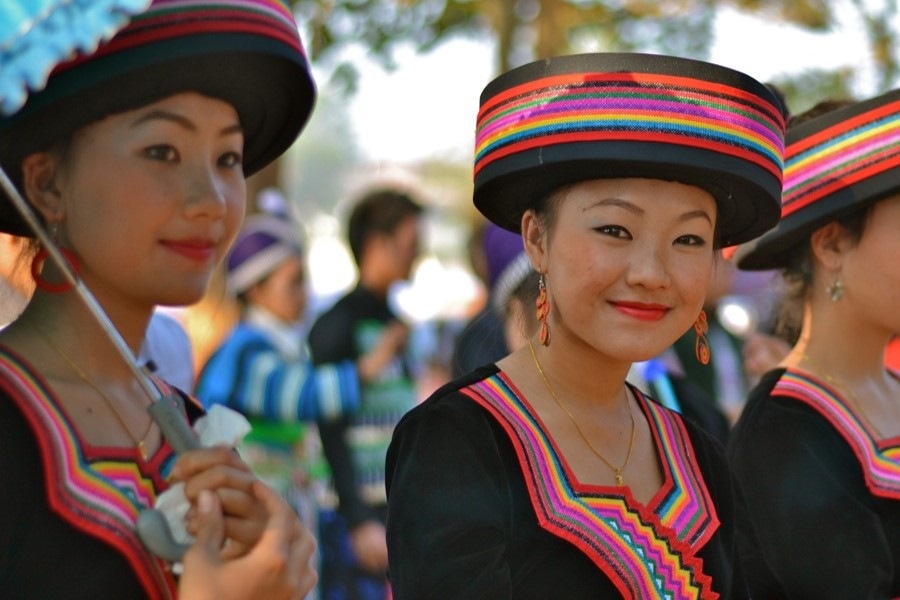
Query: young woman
[135,158]
[547,475]
[815,451]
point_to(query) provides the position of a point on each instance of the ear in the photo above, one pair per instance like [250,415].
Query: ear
[535,240]
[828,244]
[39,185]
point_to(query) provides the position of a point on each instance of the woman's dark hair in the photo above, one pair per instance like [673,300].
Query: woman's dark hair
[526,293]
[798,271]
[798,275]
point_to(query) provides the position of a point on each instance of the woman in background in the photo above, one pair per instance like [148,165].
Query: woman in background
[815,450]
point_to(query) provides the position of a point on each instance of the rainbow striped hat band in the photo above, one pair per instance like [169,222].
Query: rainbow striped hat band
[574,118]
[835,164]
[245,52]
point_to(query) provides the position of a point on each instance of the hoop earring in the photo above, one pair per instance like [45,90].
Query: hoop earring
[542,305]
[835,289]
[37,266]
[701,345]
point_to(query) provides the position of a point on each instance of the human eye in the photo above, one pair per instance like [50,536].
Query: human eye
[162,153]
[690,240]
[615,231]
[231,159]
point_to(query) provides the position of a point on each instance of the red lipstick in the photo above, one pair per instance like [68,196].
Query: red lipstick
[198,250]
[641,310]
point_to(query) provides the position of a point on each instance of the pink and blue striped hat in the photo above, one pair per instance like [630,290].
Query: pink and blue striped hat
[835,164]
[246,52]
[574,118]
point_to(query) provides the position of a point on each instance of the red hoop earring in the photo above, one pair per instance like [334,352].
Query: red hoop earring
[701,345]
[542,305]
[37,265]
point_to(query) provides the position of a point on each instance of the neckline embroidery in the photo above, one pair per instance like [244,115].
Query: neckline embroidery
[83,484]
[880,461]
[646,551]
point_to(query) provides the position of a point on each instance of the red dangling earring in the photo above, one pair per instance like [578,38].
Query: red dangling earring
[37,266]
[543,310]
[701,345]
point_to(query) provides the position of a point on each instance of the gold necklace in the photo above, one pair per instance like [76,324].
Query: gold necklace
[617,471]
[845,390]
[140,444]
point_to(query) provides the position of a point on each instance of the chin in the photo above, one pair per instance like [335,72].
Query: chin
[641,353]
[182,296]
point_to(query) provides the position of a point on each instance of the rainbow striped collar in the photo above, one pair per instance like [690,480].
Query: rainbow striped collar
[101,498]
[880,460]
[646,551]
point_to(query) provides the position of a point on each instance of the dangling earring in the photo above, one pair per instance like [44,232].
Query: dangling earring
[836,289]
[37,266]
[701,345]
[543,309]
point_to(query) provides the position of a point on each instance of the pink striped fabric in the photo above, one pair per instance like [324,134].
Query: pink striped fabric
[99,496]
[880,461]
[647,552]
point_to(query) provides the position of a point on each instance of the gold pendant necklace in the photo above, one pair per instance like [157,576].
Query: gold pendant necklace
[139,443]
[617,471]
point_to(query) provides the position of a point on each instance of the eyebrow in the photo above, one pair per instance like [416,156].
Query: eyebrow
[613,201]
[695,214]
[637,210]
[164,115]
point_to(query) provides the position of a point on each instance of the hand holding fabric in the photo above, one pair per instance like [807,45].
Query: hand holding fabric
[276,567]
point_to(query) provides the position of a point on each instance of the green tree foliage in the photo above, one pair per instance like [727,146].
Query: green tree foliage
[526,29]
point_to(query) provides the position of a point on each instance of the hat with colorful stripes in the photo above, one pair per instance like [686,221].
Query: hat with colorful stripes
[573,118]
[245,52]
[835,164]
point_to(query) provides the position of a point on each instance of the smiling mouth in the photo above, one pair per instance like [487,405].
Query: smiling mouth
[195,250]
[641,311]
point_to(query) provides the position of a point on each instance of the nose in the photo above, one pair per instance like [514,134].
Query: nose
[648,267]
[206,193]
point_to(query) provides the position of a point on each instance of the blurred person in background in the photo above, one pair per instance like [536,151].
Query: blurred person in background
[16,284]
[383,234]
[722,380]
[263,370]
[482,340]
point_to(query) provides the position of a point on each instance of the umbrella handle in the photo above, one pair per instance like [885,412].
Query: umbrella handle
[153,529]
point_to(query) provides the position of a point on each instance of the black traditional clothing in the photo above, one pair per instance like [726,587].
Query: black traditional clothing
[482,505]
[68,509]
[822,495]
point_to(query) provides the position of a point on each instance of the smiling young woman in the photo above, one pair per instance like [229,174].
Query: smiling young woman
[818,440]
[134,157]
[547,474]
